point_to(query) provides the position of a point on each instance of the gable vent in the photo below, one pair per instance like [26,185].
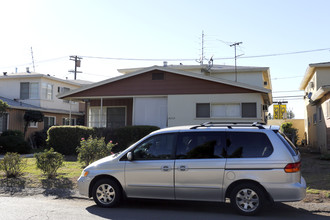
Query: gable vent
[157,76]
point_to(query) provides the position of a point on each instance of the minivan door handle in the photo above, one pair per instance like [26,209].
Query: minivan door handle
[165,168]
[183,168]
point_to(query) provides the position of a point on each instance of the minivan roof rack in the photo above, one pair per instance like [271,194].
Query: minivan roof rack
[229,125]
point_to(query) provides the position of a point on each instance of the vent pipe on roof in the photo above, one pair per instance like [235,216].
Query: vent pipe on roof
[165,63]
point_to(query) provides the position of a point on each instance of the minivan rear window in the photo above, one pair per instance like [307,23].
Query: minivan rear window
[248,145]
[286,141]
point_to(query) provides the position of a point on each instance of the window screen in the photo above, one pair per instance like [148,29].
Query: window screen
[24,90]
[248,145]
[200,145]
[249,110]
[203,110]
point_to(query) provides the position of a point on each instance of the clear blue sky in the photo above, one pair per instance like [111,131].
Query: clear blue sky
[152,29]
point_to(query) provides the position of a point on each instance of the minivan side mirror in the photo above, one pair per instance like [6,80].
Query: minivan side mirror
[130,156]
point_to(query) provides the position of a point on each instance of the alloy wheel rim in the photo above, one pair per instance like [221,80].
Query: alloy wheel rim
[105,193]
[247,200]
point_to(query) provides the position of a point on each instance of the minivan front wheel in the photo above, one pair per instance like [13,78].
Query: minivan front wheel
[106,193]
[247,199]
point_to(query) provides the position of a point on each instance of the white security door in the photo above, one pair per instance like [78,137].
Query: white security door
[150,111]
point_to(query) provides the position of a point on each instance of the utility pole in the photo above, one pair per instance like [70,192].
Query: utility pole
[235,45]
[77,62]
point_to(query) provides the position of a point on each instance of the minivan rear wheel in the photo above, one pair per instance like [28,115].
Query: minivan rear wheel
[106,193]
[247,199]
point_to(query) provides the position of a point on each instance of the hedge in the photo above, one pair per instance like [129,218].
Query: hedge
[13,141]
[66,139]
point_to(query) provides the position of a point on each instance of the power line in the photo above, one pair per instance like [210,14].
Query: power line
[289,77]
[288,91]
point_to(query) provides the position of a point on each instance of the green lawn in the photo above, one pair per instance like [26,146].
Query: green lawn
[33,177]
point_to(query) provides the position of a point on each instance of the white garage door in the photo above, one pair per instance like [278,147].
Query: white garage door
[150,111]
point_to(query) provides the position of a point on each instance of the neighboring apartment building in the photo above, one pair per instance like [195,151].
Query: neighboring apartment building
[32,91]
[316,84]
[167,96]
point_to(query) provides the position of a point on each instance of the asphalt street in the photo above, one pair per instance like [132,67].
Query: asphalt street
[49,207]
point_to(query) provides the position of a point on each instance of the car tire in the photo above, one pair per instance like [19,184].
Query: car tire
[247,199]
[106,193]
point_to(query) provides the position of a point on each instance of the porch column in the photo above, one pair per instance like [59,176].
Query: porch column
[101,112]
[70,113]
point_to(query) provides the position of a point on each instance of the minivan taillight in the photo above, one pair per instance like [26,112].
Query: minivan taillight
[292,167]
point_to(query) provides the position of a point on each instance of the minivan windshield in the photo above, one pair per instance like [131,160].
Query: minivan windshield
[287,142]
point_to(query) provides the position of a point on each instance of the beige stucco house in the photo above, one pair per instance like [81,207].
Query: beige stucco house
[316,84]
[34,91]
[173,95]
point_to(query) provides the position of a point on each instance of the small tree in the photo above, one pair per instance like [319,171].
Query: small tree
[290,132]
[3,107]
[12,164]
[291,115]
[32,116]
[49,162]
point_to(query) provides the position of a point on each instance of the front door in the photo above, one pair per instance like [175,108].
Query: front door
[150,174]
[199,166]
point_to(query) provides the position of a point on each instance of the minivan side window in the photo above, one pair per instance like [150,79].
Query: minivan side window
[158,147]
[200,145]
[248,145]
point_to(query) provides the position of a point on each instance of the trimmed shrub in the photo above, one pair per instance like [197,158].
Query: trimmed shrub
[125,136]
[93,149]
[65,139]
[12,164]
[49,162]
[13,141]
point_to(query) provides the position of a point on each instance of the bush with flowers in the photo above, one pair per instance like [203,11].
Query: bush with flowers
[93,149]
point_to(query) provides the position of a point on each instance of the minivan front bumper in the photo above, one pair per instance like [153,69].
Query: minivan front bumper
[83,185]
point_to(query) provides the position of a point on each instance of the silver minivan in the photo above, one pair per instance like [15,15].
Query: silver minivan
[249,164]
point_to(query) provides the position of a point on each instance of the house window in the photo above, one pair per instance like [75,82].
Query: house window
[96,118]
[66,121]
[225,110]
[33,124]
[29,90]
[47,91]
[63,90]
[49,121]
[3,122]
[157,76]
[320,113]
[249,110]
[314,118]
[116,117]
[328,108]
[207,110]
[203,110]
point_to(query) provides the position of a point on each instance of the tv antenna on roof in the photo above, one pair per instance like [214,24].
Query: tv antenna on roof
[34,69]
